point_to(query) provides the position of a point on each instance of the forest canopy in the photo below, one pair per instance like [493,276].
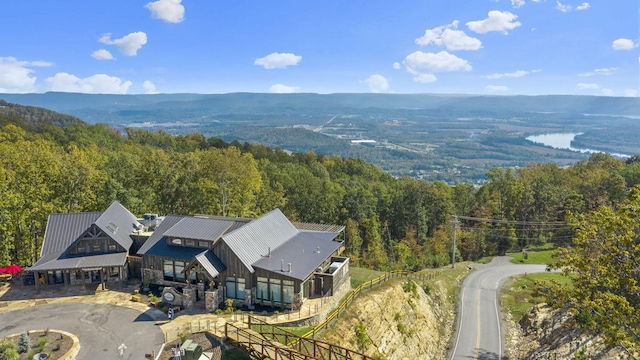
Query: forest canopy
[391,223]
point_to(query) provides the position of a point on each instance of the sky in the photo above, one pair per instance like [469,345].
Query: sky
[489,47]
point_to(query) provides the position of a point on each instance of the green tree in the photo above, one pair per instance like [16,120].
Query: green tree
[604,266]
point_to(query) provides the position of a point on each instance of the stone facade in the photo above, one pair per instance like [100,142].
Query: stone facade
[189,296]
[213,299]
[153,276]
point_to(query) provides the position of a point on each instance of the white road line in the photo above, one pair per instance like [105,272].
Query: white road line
[498,318]
[455,347]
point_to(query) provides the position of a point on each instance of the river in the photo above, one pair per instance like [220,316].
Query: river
[563,141]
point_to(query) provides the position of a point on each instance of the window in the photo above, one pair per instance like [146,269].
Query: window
[275,288]
[82,248]
[178,268]
[189,242]
[203,244]
[112,247]
[287,291]
[168,270]
[176,241]
[263,289]
[96,247]
[235,288]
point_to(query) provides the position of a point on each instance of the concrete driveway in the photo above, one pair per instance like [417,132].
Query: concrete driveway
[101,328]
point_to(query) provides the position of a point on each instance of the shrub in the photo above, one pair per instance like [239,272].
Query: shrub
[25,342]
[427,288]
[11,354]
[228,304]
[153,298]
[218,311]
[183,338]
[361,337]
[42,342]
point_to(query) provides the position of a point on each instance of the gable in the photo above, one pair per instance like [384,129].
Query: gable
[254,240]
[63,229]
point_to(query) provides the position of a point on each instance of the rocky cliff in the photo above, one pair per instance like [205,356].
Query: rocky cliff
[543,333]
[398,320]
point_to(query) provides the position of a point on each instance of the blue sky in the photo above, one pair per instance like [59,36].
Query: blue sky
[500,47]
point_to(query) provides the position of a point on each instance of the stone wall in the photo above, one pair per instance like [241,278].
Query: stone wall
[213,299]
[189,296]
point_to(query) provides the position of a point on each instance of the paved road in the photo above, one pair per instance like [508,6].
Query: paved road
[101,328]
[479,334]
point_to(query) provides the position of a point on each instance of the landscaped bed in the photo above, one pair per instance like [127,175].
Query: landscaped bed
[54,344]
[208,342]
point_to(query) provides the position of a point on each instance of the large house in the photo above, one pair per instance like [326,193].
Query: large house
[268,260]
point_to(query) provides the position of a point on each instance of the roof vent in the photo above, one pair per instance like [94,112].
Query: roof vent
[281,264]
[289,267]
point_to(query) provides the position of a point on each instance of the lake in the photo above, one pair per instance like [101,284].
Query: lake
[563,141]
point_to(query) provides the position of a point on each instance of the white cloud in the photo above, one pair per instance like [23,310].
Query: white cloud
[102,54]
[95,84]
[419,62]
[517,3]
[171,11]
[449,37]
[278,60]
[584,6]
[283,89]
[624,44]
[129,44]
[606,92]
[563,7]
[496,88]
[17,76]
[397,65]
[499,21]
[515,74]
[585,86]
[425,78]
[377,83]
[149,87]
[423,65]
[601,71]
[631,93]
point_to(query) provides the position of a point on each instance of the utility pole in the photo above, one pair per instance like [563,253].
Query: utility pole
[453,248]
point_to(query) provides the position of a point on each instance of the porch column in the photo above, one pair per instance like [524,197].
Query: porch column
[36,278]
[120,277]
[64,278]
[102,280]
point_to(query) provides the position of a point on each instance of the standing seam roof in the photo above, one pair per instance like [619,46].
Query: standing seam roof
[252,241]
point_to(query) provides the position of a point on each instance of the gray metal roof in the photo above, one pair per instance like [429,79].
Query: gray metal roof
[158,234]
[199,228]
[253,240]
[63,229]
[318,227]
[54,262]
[305,252]
[118,223]
[209,262]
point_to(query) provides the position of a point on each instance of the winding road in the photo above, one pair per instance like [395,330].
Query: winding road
[101,328]
[479,334]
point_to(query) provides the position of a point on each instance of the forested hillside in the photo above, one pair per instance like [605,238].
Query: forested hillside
[390,222]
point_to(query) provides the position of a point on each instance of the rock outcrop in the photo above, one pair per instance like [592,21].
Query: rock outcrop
[543,333]
[397,321]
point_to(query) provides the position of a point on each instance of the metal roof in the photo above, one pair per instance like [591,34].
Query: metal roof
[318,227]
[199,228]
[118,223]
[209,262]
[63,229]
[305,252]
[54,262]
[158,234]
[253,240]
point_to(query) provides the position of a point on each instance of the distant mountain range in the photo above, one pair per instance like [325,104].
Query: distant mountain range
[93,105]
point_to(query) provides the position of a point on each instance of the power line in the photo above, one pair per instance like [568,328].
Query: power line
[512,222]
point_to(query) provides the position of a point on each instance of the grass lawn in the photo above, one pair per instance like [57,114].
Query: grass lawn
[360,275]
[485,260]
[533,257]
[517,296]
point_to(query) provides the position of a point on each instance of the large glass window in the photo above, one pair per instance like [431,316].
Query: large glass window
[287,291]
[275,287]
[235,288]
[231,287]
[262,289]
[168,270]
[189,242]
[173,270]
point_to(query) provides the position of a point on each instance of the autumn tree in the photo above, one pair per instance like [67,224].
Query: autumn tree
[604,266]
